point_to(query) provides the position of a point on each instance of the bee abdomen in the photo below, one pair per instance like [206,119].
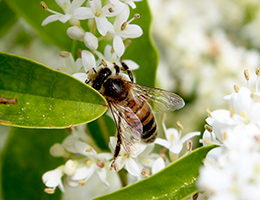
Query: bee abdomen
[144,112]
[149,130]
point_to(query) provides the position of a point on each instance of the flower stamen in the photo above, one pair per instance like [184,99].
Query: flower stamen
[49,190]
[44,5]
[82,182]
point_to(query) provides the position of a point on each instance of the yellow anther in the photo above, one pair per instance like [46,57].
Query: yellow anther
[49,190]
[236,88]
[44,5]
[123,26]
[208,128]
[246,73]
[100,164]
[82,182]
[179,125]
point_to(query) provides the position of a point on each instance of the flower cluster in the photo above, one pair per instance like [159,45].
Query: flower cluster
[84,161]
[231,171]
[97,16]
[203,47]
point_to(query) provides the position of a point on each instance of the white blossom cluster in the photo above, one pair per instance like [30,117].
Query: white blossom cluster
[203,44]
[97,16]
[232,170]
[84,161]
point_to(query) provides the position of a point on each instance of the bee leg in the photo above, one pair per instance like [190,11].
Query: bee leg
[119,140]
[129,72]
[116,154]
[116,68]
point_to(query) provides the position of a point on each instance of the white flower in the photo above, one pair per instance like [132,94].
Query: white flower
[125,160]
[122,30]
[110,57]
[88,60]
[158,165]
[90,41]
[174,142]
[76,33]
[129,2]
[68,8]
[95,163]
[99,13]
[71,66]
[147,158]
[52,179]
[70,167]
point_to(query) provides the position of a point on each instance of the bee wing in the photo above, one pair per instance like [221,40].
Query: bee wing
[129,128]
[162,100]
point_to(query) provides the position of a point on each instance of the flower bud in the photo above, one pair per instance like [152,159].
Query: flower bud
[69,167]
[57,150]
[90,41]
[75,33]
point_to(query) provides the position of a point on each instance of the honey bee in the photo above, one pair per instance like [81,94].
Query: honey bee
[130,105]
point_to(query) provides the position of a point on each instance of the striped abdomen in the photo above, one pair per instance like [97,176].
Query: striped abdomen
[144,112]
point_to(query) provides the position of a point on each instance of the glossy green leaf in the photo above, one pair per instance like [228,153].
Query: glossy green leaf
[46,98]
[25,159]
[177,181]
[7,18]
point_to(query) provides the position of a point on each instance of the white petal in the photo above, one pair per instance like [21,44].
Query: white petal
[78,64]
[114,2]
[52,178]
[107,52]
[223,117]
[50,19]
[158,165]
[90,41]
[132,4]
[82,148]
[75,33]
[83,13]
[95,5]
[102,25]
[64,18]
[176,148]
[118,45]
[172,135]
[76,3]
[102,174]
[83,173]
[132,31]
[81,76]
[69,167]
[69,143]
[132,167]
[88,60]
[131,64]
[189,136]
[162,142]
[121,18]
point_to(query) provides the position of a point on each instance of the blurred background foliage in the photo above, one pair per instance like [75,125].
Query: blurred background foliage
[204,47]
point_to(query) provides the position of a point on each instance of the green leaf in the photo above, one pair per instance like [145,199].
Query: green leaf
[177,181]
[7,18]
[45,98]
[101,130]
[25,159]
